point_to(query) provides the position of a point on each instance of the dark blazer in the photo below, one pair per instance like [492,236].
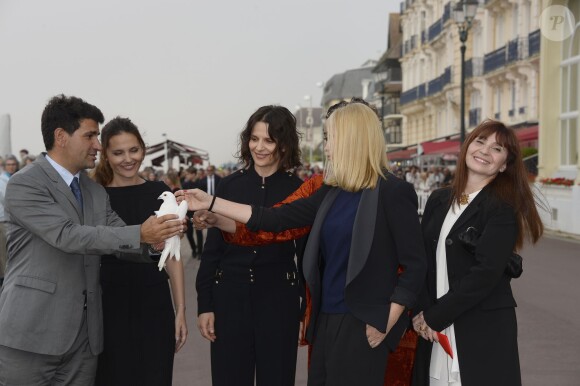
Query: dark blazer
[202,182]
[386,234]
[479,302]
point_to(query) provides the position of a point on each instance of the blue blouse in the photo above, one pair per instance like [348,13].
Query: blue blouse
[335,247]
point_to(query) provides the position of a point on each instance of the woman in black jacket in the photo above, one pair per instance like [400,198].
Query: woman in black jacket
[470,231]
[364,226]
[249,297]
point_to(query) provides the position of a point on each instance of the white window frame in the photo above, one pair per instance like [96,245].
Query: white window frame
[570,57]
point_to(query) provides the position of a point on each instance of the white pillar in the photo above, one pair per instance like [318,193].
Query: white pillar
[5,141]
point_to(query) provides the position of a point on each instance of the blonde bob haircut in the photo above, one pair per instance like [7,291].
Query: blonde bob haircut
[357,145]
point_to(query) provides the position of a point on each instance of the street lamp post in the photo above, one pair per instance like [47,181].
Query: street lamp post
[463,14]
[309,122]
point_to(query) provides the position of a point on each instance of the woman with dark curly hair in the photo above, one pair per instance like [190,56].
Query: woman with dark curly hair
[249,297]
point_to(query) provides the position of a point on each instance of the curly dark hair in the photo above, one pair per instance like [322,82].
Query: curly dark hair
[281,128]
[66,113]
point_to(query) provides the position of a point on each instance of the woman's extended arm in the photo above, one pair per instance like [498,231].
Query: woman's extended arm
[298,214]
[176,281]
[243,236]
[237,233]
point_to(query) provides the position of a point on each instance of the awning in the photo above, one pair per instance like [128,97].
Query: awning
[397,155]
[527,133]
[444,147]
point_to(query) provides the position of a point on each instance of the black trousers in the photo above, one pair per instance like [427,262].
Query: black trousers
[256,329]
[341,355]
[199,236]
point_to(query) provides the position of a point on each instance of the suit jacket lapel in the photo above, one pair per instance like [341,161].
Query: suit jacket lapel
[87,200]
[60,185]
[470,211]
[363,232]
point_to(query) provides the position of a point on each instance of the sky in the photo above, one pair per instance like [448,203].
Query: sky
[193,70]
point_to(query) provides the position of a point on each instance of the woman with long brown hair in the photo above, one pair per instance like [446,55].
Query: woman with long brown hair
[470,232]
[143,328]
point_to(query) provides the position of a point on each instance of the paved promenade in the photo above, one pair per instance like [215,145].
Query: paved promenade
[548,296]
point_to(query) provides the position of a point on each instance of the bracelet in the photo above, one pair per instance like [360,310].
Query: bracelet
[212,202]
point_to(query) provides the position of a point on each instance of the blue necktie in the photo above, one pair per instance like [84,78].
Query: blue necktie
[76,189]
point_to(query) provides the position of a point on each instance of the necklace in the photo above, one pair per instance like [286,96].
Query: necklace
[463,199]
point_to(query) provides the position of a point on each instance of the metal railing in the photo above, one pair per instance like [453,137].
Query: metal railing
[534,42]
[494,60]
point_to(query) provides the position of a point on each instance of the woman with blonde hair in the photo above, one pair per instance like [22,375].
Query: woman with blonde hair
[364,226]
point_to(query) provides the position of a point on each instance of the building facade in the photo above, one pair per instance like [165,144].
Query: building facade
[501,71]
[559,110]
[387,86]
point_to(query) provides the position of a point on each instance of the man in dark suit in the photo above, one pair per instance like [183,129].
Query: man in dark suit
[208,184]
[59,223]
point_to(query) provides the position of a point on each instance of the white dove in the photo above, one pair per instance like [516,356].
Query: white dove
[172,244]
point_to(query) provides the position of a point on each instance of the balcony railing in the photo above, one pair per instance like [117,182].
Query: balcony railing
[512,51]
[435,29]
[473,67]
[474,117]
[446,12]
[534,42]
[494,60]
[389,75]
[409,95]
[413,94]
[436,85]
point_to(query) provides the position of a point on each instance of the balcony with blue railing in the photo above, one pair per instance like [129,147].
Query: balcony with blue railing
[494,60]
[512,51]
[474,117]
[421,93]
[534,42]
[447,12]
[435,29]
[436,85]
[409,95]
